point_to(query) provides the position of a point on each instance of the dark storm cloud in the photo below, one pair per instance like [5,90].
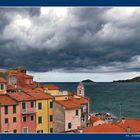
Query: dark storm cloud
[84,40]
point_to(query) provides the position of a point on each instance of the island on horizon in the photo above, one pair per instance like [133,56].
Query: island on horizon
[135,79]
[87,81]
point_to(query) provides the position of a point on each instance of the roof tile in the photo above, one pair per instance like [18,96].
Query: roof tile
[5,100]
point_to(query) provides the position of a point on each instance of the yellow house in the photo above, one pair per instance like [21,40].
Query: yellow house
[44,111]
[51,89]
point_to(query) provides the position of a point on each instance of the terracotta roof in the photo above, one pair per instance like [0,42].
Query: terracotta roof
[38,95]
[79,100]
[28,87]
[51,87]
[5,100]
[127,125]
[104,128]
[133,124]
[21,96]
[28,76]
[2,80]
[68,104]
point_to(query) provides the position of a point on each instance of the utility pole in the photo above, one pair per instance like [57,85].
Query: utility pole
[120,110]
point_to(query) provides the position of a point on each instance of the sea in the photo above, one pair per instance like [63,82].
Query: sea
[118,99]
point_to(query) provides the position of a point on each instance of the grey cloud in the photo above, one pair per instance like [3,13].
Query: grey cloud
[87,40]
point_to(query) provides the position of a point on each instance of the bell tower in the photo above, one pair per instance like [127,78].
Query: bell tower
[81,89]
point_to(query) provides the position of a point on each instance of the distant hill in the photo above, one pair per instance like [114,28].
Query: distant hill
[87,81]
[136,79]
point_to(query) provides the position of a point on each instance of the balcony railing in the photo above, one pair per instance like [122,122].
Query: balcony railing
[28,111]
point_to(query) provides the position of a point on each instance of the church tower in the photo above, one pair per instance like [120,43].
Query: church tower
[81,89]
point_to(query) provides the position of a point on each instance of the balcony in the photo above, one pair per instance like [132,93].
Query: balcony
[28,111]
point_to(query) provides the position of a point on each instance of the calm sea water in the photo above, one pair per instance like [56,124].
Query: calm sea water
[119,99]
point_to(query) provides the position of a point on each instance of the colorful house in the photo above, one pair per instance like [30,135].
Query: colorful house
[12,75]
[27,110]
[51,89]
[9,115]
[44,111]
[84,105]
[67,116]
[18,78]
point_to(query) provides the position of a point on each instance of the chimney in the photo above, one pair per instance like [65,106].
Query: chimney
[123,120]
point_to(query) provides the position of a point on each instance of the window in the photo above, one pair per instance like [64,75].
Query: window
[39,119]
[51,104]
[51,130]
[24,119]
[14,119]
[32,104]
[23,105]
[76,112]
[39,106]
[15,131]
[69,125]
[14,108]
[25,130]
[1,87]
[83,118]
[6,109]
[51,118]
[32,118]
[6,120]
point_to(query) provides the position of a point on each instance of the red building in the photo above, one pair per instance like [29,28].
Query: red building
[23,80]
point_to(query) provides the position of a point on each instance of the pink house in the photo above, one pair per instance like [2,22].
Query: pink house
[27,111]
[10,116]
[84,105]
[67,116]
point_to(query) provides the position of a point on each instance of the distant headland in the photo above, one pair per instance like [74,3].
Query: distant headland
[87,81]
[135,79]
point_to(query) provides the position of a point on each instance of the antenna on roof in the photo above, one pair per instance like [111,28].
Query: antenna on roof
[120,110]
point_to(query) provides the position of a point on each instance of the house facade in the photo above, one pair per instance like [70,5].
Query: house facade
[67,116]
[44,111]
[9,115]
[27,111]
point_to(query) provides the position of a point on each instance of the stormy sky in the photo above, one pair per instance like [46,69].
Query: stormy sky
[71,44]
